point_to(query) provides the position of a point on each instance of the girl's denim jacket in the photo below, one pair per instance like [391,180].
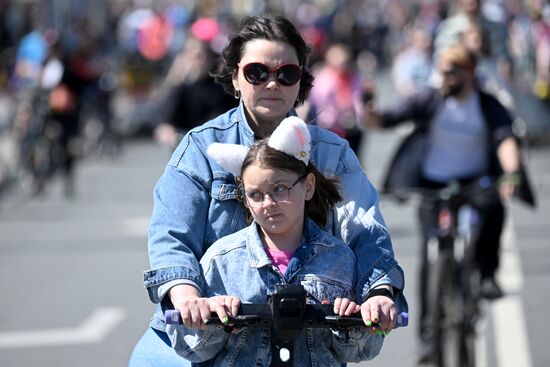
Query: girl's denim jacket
[195,204]
[238,265]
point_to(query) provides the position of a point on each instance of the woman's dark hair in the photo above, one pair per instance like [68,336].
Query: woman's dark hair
[327,190]
[267,27]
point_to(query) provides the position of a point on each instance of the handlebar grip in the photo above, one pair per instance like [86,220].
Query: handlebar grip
[356,320]
[172,317]
[402,320]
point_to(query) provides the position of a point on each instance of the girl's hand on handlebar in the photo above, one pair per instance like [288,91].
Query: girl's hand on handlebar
[379,314]
[345,307]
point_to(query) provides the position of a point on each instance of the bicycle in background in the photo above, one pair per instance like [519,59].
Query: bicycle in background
[452,281]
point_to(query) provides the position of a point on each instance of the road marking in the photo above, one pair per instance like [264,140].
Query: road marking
[91,330]
[512,344]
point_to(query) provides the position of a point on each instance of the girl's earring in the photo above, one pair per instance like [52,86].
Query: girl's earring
[237,94]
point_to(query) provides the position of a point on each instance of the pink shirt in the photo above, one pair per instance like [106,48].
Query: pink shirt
[280,258]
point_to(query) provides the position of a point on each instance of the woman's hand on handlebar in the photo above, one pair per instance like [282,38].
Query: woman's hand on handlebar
[194,309]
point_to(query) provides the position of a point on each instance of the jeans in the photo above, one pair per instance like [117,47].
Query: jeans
[154,350]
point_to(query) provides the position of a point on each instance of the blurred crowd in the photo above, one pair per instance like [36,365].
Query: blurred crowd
[114,68]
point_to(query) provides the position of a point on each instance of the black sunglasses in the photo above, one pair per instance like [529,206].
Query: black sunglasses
[257,73]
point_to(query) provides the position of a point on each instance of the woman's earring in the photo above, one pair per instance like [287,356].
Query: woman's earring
[237,94]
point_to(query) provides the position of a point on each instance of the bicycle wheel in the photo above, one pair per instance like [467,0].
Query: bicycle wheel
[445,310]
[470,299]
[40,164]
[467,349]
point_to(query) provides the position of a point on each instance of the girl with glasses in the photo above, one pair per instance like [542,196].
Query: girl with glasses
[196,200]
[288,200]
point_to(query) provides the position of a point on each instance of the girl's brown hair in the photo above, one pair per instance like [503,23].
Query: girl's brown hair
[327,190]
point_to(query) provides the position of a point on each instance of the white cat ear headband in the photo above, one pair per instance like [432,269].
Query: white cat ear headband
[291,137]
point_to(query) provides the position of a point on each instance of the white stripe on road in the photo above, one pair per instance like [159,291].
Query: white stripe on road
[92,330]
[512,344]
[511,340]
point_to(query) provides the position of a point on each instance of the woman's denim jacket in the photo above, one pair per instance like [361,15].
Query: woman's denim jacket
[238,265]
[195,204]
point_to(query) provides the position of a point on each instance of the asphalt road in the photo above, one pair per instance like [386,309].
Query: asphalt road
[71,270]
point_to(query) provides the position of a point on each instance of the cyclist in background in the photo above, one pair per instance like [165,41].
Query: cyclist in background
[461,133]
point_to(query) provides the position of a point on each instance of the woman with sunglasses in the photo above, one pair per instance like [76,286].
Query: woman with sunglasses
[195,200]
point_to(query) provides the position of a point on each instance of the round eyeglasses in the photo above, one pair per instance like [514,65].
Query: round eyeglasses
[280,192]
[257,73]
